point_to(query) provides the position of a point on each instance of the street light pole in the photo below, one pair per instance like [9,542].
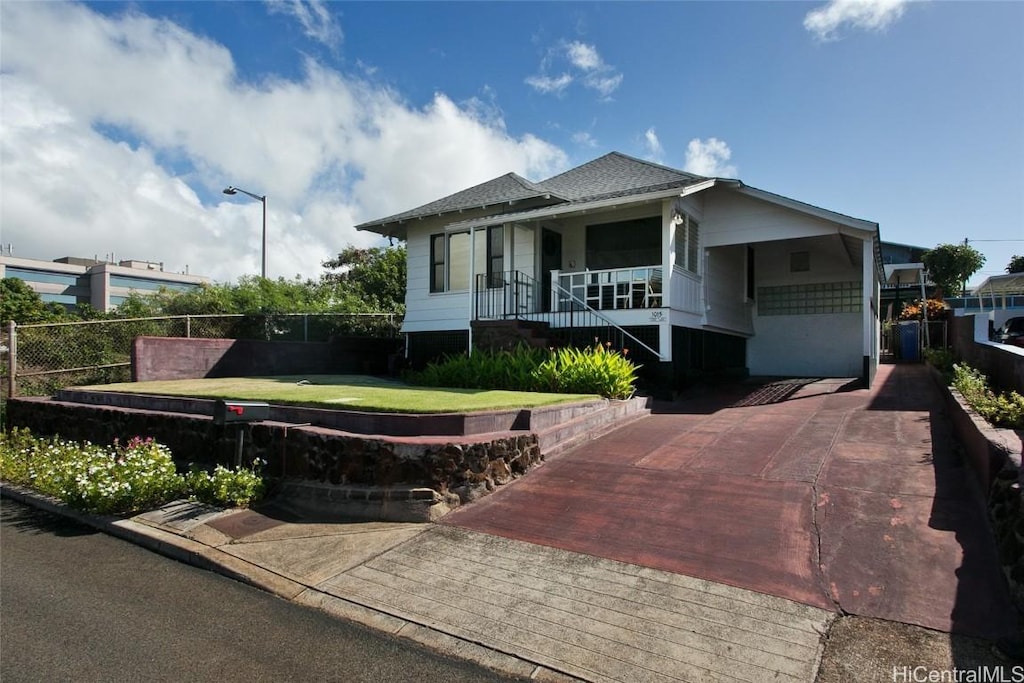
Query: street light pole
[263,200]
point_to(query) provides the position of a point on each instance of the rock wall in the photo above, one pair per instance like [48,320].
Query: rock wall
[463,467]
[995,455]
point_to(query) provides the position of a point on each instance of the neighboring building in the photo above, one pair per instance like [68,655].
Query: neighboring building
[710,273]
[71,281]
[904,277]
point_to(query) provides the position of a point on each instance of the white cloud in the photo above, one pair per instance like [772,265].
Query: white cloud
[871,15]
[584,56]
[584,63]
[317,21]
[604,85]
[118,134]
[709,158]
[549,84]
[654,149]
[584,139]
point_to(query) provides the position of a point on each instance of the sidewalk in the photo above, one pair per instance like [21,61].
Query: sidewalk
[527,610]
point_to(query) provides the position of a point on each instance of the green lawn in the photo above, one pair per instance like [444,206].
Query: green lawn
[356,392]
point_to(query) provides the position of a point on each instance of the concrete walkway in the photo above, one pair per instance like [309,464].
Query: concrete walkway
[848,500]
[717,542]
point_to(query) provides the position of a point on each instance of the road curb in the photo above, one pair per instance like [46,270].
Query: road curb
[212,559]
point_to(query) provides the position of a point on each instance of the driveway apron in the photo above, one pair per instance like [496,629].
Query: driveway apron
[851,500]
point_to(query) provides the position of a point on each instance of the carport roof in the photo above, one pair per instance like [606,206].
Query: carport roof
[1012,283]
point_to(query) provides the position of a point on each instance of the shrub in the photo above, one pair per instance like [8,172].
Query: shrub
[225,487]
[941,360]
[485,369]
[123,478]
[912,311]
[1002,410]
[136,476]
[593,370]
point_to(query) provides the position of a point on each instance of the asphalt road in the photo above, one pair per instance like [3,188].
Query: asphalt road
[78,605]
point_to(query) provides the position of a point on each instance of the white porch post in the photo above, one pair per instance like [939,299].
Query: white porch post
[472,280]
[868,288]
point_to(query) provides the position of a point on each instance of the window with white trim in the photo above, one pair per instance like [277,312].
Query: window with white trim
[687,244]
[449,258]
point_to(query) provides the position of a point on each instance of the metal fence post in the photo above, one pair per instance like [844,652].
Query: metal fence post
[12,358]
[188,327]
[305,327]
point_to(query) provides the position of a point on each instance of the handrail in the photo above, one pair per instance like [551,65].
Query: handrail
[498,302]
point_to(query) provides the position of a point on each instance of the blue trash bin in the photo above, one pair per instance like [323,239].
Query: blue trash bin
[910,332]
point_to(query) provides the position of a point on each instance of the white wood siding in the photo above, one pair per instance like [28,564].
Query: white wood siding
[426,311]
[731,218]
[727,308]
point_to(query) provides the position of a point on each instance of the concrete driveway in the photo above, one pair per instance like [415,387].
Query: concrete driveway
[852,500]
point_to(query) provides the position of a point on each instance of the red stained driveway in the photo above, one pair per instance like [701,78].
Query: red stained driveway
[851,499]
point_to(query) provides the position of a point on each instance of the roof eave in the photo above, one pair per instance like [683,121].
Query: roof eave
[583,207]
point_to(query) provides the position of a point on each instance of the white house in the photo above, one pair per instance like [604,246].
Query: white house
[700,274]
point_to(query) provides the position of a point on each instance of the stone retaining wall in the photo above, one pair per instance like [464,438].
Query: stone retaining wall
[458,469]
[995,454]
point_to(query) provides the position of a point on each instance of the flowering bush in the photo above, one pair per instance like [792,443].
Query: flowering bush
[130,477]
[123,478]
[936,309]
[224,487]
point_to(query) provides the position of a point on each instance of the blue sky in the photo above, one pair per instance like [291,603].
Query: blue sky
[121,122]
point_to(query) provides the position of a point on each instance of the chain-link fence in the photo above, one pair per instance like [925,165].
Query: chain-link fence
[38,359]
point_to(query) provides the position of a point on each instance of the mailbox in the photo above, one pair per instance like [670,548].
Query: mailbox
[225,412]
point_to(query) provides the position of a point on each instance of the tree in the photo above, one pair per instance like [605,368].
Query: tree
[950,265]
[20,303]
[368,280]
[1016,265]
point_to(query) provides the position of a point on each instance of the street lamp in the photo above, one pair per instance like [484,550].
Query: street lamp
[235,190]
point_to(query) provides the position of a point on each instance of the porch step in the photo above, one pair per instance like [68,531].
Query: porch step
[506,334]
[588,422]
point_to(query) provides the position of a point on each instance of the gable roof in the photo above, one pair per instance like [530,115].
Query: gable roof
[612,175]
[615,174]
[508,188]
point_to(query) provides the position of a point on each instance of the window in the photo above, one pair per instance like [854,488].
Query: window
[688,244]
[437,252]
[449,258]
[799,261]
[826,297]
[750,273]
[624,244]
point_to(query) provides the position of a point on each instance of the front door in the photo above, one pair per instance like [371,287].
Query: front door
[550,259]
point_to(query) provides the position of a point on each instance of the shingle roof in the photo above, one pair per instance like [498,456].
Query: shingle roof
[507,188]
[612,175]
[615,174]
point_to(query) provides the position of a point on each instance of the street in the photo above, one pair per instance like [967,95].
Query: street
[78,605]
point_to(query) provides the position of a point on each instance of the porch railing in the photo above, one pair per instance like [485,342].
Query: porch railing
[612,288]
[513,294]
